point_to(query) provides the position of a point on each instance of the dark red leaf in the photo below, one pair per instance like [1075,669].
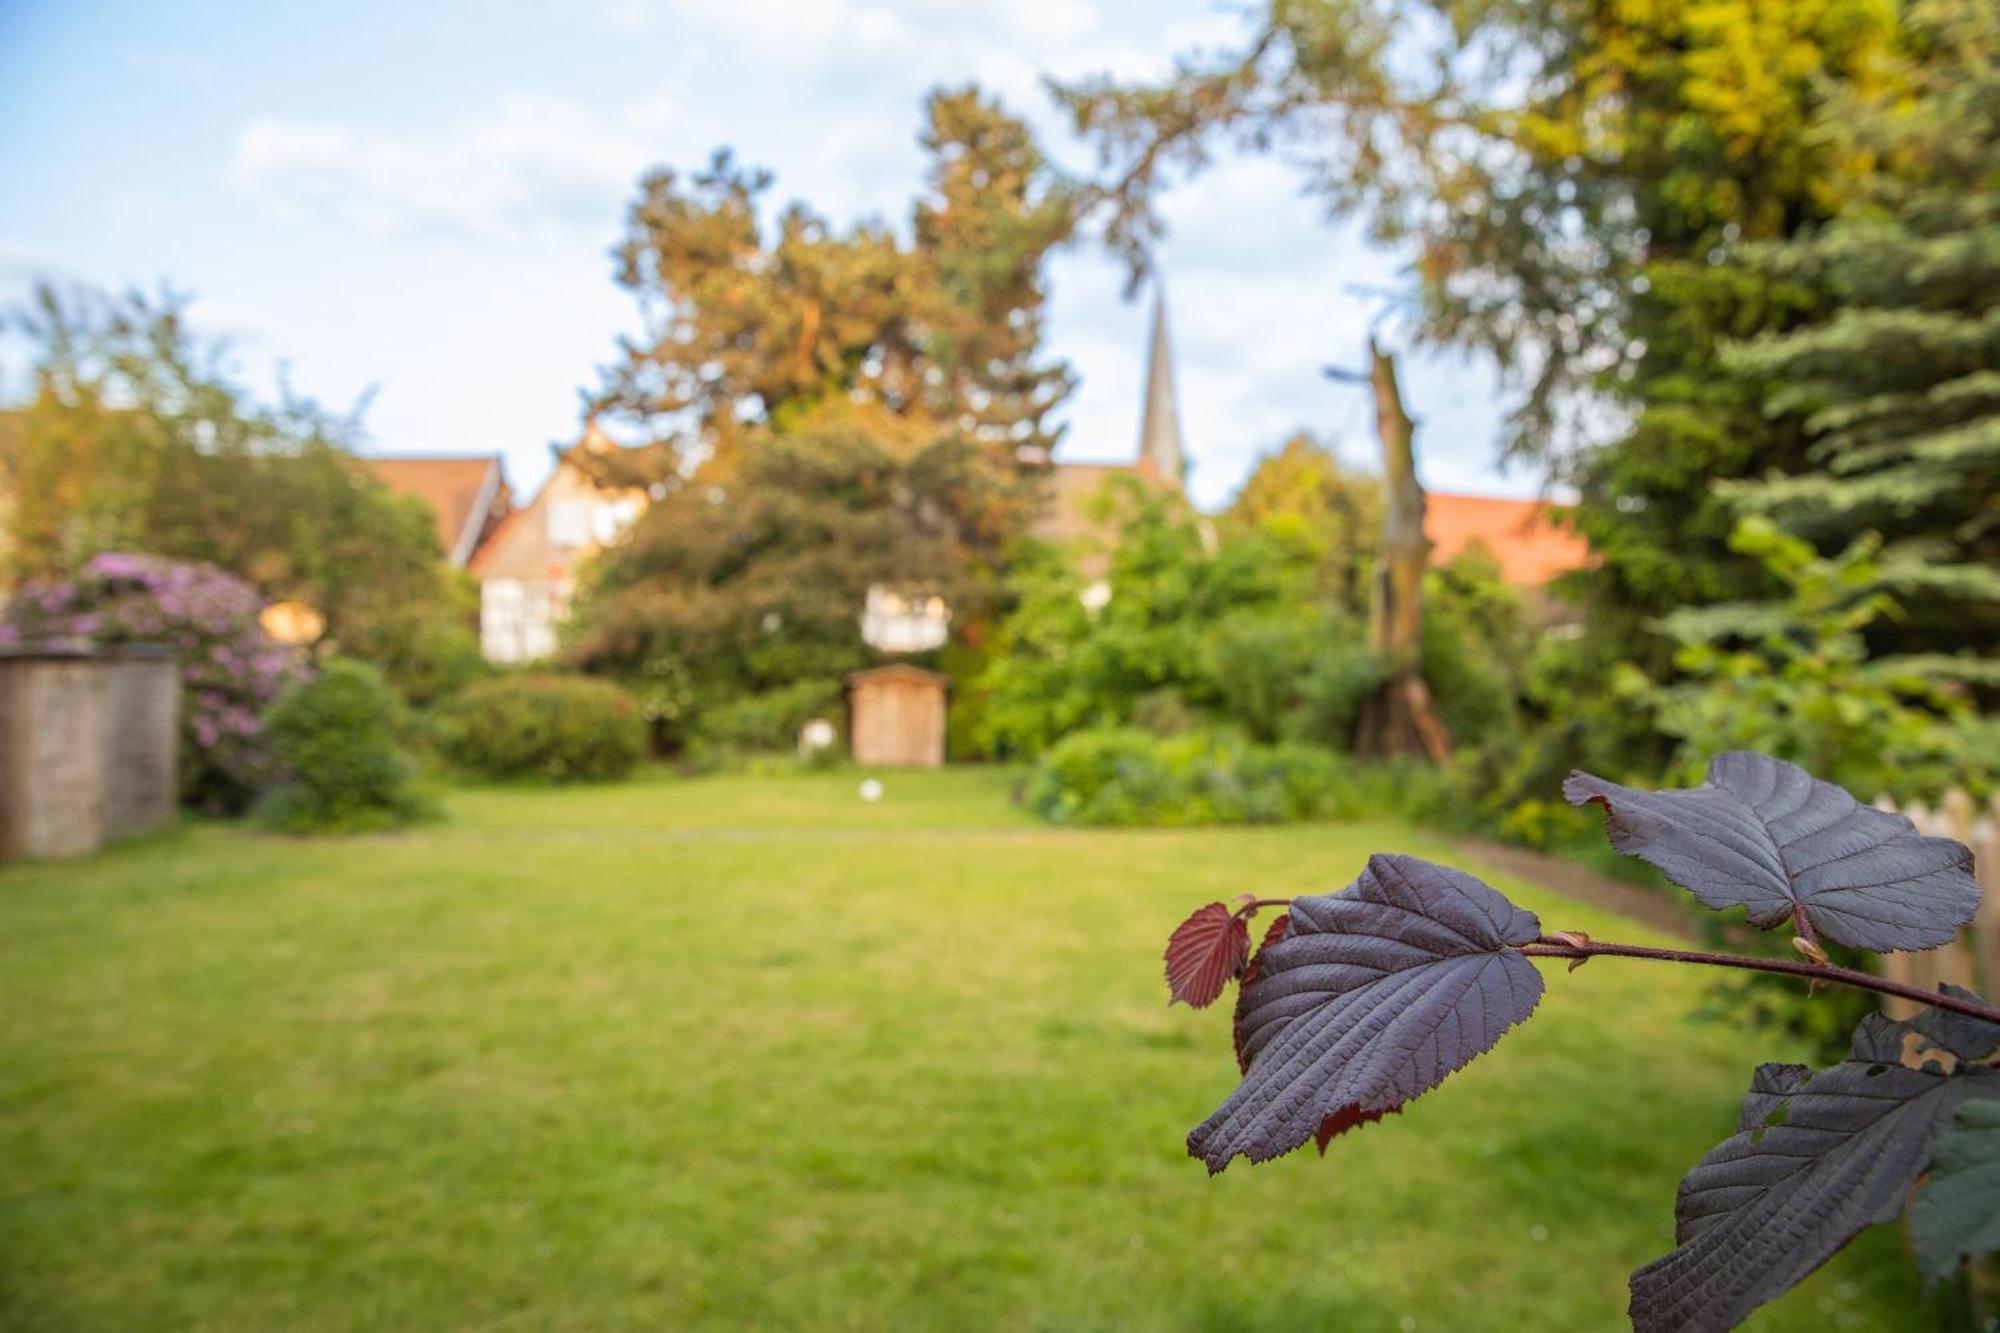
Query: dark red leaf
[1204,953]
[1348,1117]
[1272,934]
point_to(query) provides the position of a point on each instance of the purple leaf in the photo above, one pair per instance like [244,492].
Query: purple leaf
[1766,835]
[1204,953]
[1970,1039]
[1372,996]
[1272,934]
[1815,1160]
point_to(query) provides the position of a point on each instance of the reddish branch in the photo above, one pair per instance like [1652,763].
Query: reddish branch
[1550,947]
[1579,947]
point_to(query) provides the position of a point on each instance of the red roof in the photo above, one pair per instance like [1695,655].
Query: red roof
[454,486]
[1519,534]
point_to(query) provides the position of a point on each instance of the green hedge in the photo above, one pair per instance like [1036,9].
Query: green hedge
[333,742]
[1124,776]
[557,728]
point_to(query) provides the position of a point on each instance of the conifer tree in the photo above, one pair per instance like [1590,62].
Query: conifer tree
[834,410]
[1899,377]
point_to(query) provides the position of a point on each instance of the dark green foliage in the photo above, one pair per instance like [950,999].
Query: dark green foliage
[550,727]
[1954,1216]
[1236,633]
[1794,678]
[333,740]
[1124,776]
[769,720]
[734,607]
[1896,375]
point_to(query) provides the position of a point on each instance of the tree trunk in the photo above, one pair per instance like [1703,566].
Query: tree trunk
[1398,718]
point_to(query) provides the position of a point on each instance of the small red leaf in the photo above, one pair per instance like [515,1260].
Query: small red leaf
[1204,953]
[1272,934]
[1350,1116]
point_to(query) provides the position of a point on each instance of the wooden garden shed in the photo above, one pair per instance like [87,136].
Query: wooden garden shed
[895,716]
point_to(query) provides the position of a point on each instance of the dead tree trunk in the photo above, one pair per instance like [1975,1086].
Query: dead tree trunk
[1398,717]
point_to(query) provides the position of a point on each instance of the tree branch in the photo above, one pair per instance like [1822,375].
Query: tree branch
[1551,947]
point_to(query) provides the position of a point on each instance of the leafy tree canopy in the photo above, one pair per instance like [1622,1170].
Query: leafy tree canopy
[752,323]
[1305,498]
[136,438]
[834,410]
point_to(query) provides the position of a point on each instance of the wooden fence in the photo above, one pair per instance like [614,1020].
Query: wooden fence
[1974,960]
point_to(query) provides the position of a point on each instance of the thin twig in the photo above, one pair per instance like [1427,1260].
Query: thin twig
[1550,947]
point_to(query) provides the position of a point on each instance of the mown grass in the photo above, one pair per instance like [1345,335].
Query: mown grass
[745,1052]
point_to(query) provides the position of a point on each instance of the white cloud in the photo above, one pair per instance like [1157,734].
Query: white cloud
[535,167]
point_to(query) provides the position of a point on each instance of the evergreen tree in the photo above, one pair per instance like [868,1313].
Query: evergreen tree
[750,328]
[834,411]
[1570,178]
[1897,374]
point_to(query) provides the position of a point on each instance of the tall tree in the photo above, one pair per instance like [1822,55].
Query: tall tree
[1896,374]
[751,327]
[835,410]
[136,438]
[1303,497]
[1567,177]
[1398,717]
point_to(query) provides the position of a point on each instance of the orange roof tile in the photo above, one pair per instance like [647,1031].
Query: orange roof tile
[453,486]
[1518,533]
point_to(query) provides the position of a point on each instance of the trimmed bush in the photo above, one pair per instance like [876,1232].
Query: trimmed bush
[1124,776]
[556,728]
[333,741]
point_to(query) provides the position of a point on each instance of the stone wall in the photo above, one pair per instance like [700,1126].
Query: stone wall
[89,748]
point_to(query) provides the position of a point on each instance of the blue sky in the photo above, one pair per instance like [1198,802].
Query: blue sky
[421,199]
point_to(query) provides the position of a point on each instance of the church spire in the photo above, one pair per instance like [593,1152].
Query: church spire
[1160,425]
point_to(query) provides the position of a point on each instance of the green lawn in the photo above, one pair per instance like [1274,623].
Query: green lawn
[744,1052]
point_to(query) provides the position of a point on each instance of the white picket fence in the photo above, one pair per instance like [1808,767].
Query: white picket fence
[1974,960]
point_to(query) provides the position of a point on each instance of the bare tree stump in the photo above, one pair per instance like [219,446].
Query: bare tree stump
[1399,717]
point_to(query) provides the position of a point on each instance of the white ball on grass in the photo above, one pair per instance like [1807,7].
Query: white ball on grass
[871,790]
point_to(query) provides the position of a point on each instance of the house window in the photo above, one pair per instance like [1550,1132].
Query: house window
[518,619]
[896,622]
[569,523]
[610,518]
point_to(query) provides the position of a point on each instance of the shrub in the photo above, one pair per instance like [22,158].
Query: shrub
[769,720]
[231,671]
[1124,776]
[559,728]
[332,740]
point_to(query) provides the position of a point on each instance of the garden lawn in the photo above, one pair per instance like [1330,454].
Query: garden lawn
[746,1052]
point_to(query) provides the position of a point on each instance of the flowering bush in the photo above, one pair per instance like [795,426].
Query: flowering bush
[230,669]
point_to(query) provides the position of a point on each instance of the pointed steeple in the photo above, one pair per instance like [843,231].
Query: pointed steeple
[1160,425]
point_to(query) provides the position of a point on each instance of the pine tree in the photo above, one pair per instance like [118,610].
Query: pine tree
[1899,378]
[834,410]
